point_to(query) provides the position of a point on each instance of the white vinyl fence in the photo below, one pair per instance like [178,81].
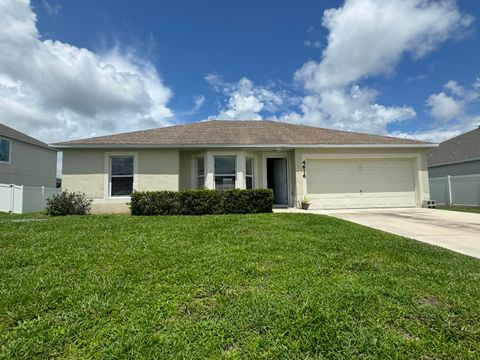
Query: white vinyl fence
[21,199]
[456,190]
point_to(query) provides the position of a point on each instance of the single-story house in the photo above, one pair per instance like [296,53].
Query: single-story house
[457,156]
[25,160]
[335,169]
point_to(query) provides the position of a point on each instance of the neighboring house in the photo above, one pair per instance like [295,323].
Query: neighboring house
[457,156]
[25,160]
[335,169]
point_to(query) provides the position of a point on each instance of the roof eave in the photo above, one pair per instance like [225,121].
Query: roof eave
[285,146]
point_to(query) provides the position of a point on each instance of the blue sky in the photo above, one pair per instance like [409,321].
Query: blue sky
[94,67]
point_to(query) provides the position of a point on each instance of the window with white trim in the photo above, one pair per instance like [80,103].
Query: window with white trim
[5,150]
[249,173]
[201,172]
[121,176]
[225,172]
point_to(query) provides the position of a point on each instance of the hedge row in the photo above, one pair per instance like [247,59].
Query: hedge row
[201,202]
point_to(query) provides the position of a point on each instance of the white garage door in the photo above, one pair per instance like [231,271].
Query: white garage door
[365,183]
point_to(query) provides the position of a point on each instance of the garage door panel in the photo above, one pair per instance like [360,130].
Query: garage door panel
[360,183]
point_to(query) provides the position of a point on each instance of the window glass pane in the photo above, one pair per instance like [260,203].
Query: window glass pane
[200,166]
[122,165]
[224,182]
[4,150]
[249,182]
[122,186]
[249,166]
[200,182]
[225,165]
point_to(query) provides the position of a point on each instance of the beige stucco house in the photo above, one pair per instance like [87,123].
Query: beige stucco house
[25,160]
[335,169]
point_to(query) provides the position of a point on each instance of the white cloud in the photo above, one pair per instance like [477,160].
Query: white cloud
[314,44]
[444,107]
[450,107]
[199,101]
[434,136]
[57,91]
[52,9]
[353,109]
[368,38]
[245,100]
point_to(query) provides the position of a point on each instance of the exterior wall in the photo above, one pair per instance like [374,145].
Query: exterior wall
[83,171]
[464,168]
[158,170]
[29,165]
[87,171]
[420,166]
[186,165]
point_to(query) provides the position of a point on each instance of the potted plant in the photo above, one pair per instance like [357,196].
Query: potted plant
[305,203]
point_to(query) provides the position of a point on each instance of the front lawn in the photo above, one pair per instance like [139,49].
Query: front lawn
[246,286]
[461,208]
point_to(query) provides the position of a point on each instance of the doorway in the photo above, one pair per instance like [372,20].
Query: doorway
[277,179]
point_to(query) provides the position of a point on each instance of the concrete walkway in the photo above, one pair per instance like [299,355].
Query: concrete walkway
[454,230]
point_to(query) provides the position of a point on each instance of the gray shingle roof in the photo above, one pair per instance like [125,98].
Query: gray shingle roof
[8,132]
[244,132]
[460,148]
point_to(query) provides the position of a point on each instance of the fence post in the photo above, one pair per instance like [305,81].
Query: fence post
[12,198]
[449,183]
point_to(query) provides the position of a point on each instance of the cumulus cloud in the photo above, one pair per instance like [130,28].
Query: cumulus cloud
[353,109]
[450,107]
[246,101]
[444,107]
[368,37]
[452,111]
[55,91]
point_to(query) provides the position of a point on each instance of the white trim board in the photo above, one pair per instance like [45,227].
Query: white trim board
[244,146]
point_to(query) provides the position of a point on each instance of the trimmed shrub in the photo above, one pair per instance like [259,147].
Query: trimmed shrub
[201,202]
[66,203]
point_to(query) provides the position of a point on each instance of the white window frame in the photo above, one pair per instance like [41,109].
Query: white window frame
[252,175]
[197,177]
[235,157]
[9,150]
[108,172]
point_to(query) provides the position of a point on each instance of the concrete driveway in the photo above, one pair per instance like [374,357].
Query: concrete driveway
[454,230]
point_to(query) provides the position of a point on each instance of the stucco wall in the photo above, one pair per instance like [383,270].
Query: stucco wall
[420,166]
[186,165]
[466,168]
[158,170]
[87,171]
[29,165]
[83,171]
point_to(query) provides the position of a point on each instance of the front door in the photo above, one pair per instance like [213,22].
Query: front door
[277,179]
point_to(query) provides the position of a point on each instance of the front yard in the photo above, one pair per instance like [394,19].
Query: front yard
[249,286]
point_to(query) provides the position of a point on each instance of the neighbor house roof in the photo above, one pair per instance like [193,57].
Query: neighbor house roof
[239,133]
[8,132]
[458,149]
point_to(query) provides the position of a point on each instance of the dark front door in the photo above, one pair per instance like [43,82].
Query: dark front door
[277,179]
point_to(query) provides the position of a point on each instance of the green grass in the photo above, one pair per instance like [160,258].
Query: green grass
[11,216]
[249,286]
[461,208]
